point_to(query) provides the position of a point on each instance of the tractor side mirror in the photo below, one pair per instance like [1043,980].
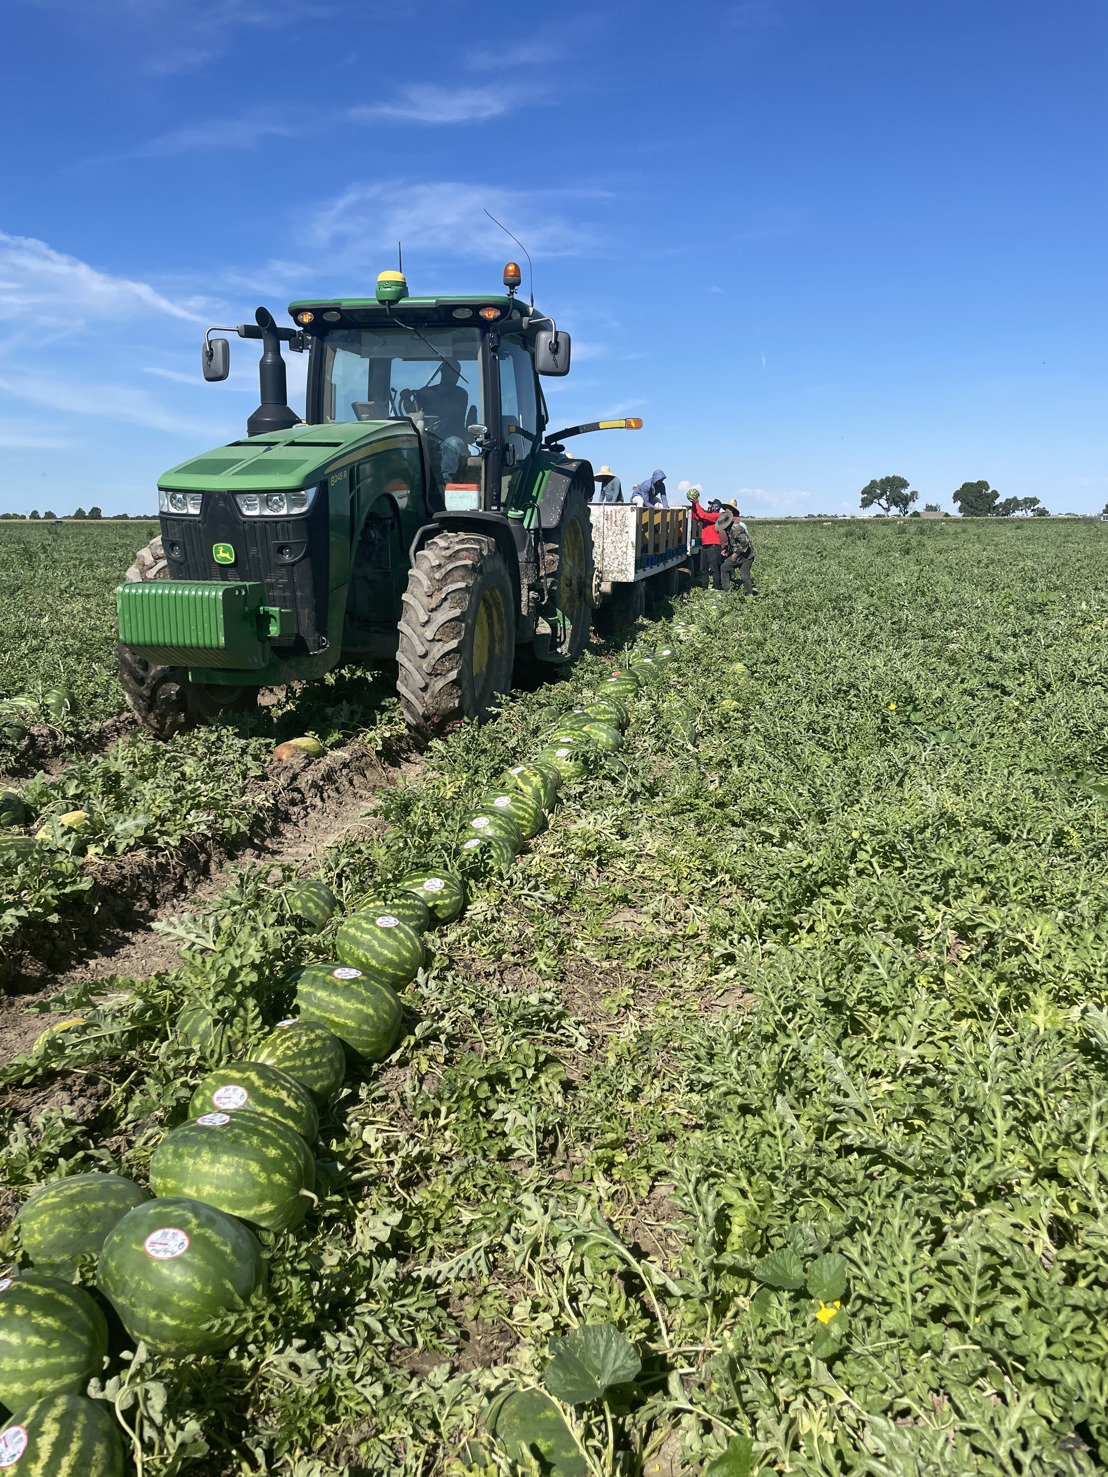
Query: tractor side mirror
[552,353]
[215,358]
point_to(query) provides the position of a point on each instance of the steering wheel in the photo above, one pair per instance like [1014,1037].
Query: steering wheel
[407,402]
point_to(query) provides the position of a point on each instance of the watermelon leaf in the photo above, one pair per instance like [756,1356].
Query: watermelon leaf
[734,1461]
[781,1269]
[588,1361]
[827,1277]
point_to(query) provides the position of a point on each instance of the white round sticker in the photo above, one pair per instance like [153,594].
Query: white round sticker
[517,769]
[214,1120]
[13,1443]
[434,884]
[502,802]
[562,753]
[386,920]
[292,1021]
[469,845]
[166,1244]
[346,974]
[231,1096]
[479,822]
[5,1283]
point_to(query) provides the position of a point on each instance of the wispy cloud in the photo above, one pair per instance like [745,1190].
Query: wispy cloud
[48,287]
[182,35]
[223,133]
[447,218]
[18,435]
[429,102]
[117,402]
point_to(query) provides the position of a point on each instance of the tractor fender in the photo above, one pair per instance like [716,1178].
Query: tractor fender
[556,489]
[489,525]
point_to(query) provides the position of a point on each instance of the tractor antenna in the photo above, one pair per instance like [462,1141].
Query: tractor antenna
[526,253]
[399,259]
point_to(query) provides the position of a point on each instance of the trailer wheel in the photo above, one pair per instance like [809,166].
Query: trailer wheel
[457,632]
[568,569]
[624,606]
[163,698]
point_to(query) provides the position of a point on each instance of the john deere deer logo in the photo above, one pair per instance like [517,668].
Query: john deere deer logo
[223,553]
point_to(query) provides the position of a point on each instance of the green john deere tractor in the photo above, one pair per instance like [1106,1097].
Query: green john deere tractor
[420,512]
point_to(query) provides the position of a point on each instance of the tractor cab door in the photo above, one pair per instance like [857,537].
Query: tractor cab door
[386,507]
[519,415]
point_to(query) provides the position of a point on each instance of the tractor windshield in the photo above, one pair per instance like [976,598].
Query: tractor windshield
[432,375]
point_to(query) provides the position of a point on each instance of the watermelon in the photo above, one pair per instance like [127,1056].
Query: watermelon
[53,1338]
[566,722]
[69,1218]
[539,782]
[606,738]
[495,823]
[524,1423]
[255,1087]
[171,1266]
[527,815]
[62,1436]
[310,1054]
[312,901]
[610,710]
[244,1164]
[568,761]
[12,810]
[204,1031]
[644,667]
[444,894]
[408,906]
[364,1013]
[486,854]
[623,687]
[380,945]
[665,654]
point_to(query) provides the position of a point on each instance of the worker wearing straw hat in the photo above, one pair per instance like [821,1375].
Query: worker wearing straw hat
[609,489]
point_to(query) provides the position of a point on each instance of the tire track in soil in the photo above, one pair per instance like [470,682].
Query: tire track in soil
[313,804]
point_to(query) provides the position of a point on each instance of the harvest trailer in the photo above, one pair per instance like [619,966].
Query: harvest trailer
[421,511]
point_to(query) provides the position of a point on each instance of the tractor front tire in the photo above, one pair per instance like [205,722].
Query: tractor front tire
[457,632]
[163,698]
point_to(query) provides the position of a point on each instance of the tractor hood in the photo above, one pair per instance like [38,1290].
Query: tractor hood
[286,461]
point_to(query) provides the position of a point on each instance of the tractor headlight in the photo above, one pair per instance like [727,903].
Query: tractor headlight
[180,502]
[274,504]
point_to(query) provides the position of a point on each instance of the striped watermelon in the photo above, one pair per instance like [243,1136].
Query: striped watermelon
[205,1031]
[539,782]
[312,901]
[483,854]
[363,1013]
[665,654]
[610,710]
[172,1266]
[12,810]
[494,823]
[310,1053]
[644,667]
[567,760]
[407,905]
[444,894]
[254,1087]
[380,945]
[244,1164]
[624,686]
[62,1436]
[53,1339]
[566,722]
[606,738]
[69,1218]
[527,815]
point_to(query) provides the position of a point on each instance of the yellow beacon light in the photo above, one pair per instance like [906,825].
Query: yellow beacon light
[391,287]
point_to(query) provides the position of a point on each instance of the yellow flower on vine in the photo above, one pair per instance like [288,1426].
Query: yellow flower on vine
[826,1313]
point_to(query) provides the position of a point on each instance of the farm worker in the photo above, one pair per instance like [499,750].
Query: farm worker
[444,404]
[711,539]
[640,495]
[609,489]
[658,489]
[738,547]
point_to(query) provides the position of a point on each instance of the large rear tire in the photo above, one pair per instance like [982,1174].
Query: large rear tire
[457,632]
[163,698]
[568,568]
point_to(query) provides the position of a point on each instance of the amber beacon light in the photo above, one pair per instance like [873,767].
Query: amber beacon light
[512,276]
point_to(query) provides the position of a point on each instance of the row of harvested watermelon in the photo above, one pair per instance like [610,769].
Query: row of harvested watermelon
[178,1268]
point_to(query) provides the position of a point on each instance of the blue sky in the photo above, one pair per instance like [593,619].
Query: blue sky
[809,243]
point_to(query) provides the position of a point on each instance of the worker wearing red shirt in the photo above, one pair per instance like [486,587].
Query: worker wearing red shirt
[710,538]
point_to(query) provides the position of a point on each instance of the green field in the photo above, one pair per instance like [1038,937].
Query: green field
[784,1050]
